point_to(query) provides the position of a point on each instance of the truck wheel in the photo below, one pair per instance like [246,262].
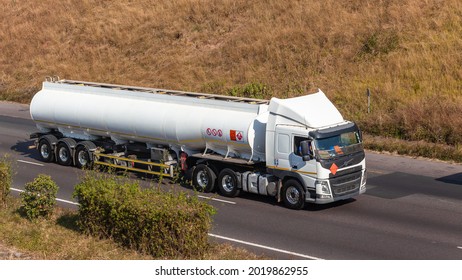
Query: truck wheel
[64,155]
[293,194]
[228,184]
[204,178]
[82,157]
[45,150]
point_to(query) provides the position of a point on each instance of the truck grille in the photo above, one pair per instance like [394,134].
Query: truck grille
[346,184]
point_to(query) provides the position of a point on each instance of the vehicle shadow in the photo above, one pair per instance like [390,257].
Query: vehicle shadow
[24,149]
[270,200]
[308,206]
[455,179]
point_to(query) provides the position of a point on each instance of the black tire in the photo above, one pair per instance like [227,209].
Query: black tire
[204,178]
[63,154]
[83,157]
[45,150]
[293,194]
[228,185]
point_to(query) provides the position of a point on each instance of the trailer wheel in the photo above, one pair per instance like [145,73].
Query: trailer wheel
[45,150]
[228,184]
[82,157]
[63,154]
[204,178]
[293,194]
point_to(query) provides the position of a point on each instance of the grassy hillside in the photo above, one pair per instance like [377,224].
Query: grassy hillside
[408,52]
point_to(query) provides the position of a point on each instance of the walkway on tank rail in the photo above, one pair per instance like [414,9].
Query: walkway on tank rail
[56,79]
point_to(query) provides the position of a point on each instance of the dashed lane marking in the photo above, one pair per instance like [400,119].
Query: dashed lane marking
[29,162]
[57,199]
[265,247]
[216,199]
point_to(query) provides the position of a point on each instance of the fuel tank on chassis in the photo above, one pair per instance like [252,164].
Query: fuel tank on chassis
[182,122]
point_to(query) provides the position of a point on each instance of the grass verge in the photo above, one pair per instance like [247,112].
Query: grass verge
[414,148]
[59,238]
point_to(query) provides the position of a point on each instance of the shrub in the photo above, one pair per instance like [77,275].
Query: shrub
[251,90]
[39,197]
[163,224]
[5,179]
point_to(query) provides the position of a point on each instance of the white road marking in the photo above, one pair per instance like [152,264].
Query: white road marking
[459,247]
[75,203]
[29,162]
[265,247]
[67,201]
[57,199]
[216,199]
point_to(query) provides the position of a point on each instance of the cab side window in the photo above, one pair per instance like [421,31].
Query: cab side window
[297,146]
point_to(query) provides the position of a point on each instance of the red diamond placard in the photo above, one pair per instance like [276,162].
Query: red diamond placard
[334,168]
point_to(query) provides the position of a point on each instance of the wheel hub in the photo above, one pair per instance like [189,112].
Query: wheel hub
[63,154]
[227,183]
[44,151]
[292,195]
[82,158]
[202,179]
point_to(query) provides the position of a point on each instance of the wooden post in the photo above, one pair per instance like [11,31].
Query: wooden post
[368,100]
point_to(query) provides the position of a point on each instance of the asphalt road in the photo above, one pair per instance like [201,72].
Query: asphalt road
[411,210]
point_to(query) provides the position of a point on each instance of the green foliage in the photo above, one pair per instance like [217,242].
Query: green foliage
[6,175]
[39,197]
[162,224]
[380,42]
[252,90]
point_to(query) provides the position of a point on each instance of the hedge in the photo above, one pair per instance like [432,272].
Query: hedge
[39,197]
[163,224]
[6,175]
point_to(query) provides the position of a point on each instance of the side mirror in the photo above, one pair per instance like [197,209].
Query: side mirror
[306,153]
[307,157]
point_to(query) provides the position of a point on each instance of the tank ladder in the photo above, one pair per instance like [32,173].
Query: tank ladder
[55,79]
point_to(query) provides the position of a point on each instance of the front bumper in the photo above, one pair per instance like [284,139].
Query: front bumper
[342,188]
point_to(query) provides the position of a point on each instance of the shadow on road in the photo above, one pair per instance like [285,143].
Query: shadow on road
[399,184]
[308,206]
[22,147]
[452,179]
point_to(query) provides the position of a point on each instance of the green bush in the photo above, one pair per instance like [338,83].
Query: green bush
[251,90]
[39,197]
[163,224]
[6,175]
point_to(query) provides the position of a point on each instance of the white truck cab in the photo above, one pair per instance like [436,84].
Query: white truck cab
[317,154]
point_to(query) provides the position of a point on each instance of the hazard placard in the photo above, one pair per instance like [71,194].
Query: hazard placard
[236,135]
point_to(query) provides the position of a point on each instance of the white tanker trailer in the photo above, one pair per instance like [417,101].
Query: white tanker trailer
[297,149]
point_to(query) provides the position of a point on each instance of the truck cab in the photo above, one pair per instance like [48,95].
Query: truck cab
[317,155]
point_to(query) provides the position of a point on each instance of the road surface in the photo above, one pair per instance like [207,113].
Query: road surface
[411,210]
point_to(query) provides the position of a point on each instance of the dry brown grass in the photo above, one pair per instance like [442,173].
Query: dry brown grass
[59,239]
[406,51]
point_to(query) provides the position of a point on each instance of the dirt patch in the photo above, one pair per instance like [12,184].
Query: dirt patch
[8,253]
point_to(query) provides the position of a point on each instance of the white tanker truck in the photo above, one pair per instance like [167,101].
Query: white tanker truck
[297,149]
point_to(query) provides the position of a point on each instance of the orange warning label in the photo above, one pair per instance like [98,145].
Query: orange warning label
[334,168]
[235,135]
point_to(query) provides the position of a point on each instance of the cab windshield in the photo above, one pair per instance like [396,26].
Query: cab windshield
[339,145]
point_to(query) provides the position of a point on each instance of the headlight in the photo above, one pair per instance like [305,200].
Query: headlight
[363,181]
[322,187]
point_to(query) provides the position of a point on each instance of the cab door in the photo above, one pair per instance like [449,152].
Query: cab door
[288,154]
[282,148]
